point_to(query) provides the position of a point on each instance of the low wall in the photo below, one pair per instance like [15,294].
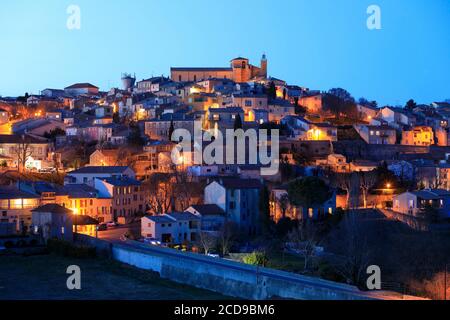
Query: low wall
[413,222]
[20,241]
[232,278]
[103,248]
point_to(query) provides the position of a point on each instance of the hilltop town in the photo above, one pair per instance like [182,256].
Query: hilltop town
[81,163]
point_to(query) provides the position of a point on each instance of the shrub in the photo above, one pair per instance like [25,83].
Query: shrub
[21,243]
[9,244]
[328,272]
[256,258]
[67,249]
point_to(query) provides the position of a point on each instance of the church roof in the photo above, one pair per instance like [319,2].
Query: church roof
[201,69]
[239,58]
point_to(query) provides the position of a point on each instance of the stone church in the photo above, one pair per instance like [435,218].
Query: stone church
[239,71]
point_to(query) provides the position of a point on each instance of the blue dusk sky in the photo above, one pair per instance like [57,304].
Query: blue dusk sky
[318,44]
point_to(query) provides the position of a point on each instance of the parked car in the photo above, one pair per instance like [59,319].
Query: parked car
[152,241]
[111,224]
[213,255]
[102,227]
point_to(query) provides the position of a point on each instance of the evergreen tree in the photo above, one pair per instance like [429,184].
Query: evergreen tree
[308,192]
[410,105]
[272,90]
[171,130]
[238,122]
[264,209]
[116,117]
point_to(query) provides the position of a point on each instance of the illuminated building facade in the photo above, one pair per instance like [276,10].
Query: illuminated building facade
[418,136]
[16,206]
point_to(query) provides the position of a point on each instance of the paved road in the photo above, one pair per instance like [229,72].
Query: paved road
[115,233]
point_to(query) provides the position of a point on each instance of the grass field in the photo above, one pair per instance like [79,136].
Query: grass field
[44,278]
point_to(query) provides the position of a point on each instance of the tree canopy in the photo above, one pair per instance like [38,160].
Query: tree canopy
[339,101]
[308,191]
[272,90]
[237,122]
[411,104]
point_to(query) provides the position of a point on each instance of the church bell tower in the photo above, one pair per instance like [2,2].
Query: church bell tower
[264,66]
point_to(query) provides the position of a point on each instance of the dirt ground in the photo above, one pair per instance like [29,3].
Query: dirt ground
[44,278]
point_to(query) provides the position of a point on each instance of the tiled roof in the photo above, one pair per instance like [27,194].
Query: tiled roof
[110,152]
[236,183]
[5,138]
[243,95]
[101,170]
[161,219]
[201,69]
[12,193]
[122,182]
[208,209]
[80,191]
[226,110]
[431,194]
[79,220]
[53,208]
[239,58]
[183,216]
[81,86]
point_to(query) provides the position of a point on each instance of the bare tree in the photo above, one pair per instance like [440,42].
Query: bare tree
[343,181]
[124,157]
[366,182]
[435,288]
[207,241]
[354,249]
[227,236]
[23,152]
[172,191]
[304,239]
[160,194]
[185,190]
[283,202]
[24,111]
